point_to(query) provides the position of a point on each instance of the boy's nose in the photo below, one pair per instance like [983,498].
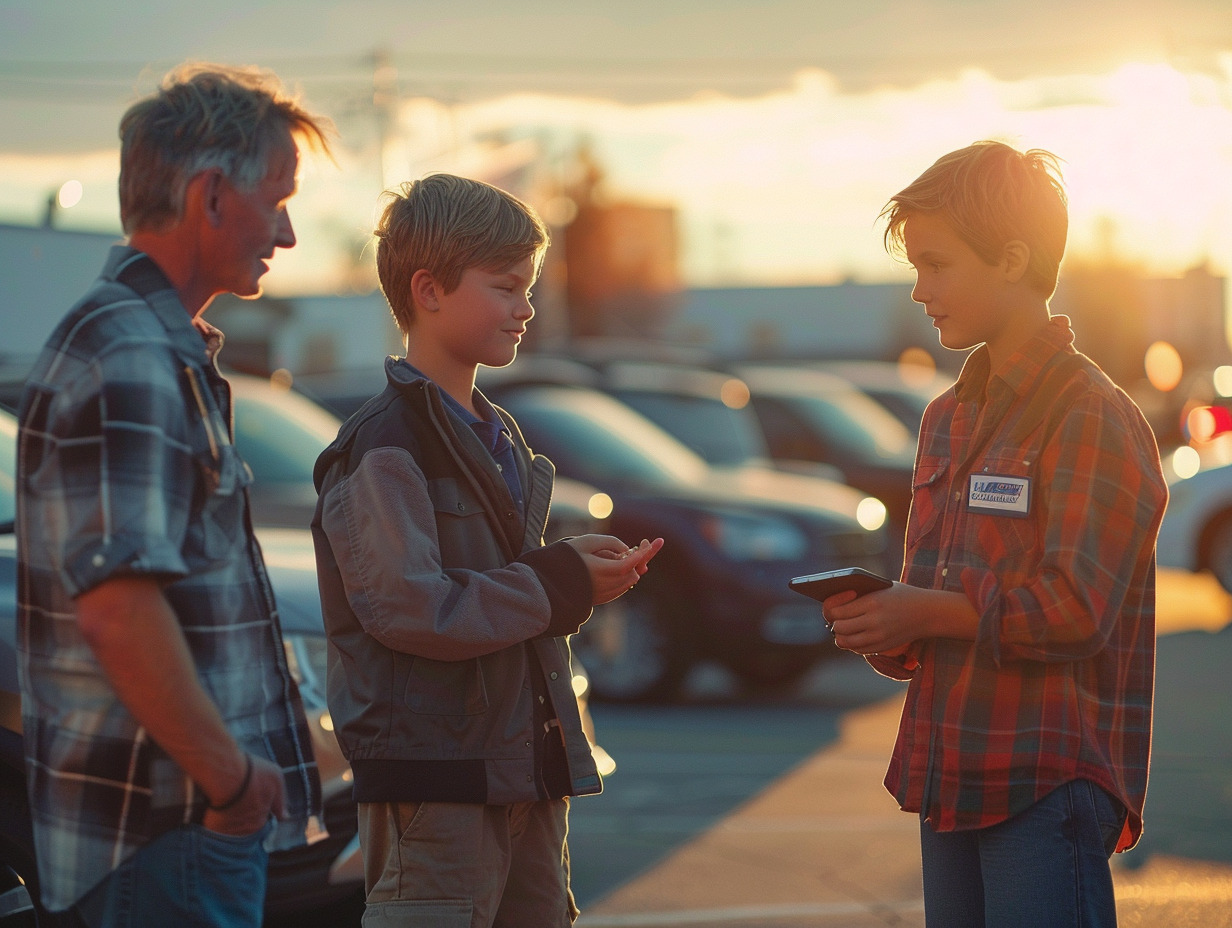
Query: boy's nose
[286,234]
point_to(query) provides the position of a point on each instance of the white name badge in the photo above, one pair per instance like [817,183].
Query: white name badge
[999,495]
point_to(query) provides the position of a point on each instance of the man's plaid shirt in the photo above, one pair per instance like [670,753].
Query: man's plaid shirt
[1058,685]
[126,466]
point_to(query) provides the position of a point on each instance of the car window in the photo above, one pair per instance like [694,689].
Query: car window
[720,434]
[280,435]
[599,440]
[852,424]
[8,470]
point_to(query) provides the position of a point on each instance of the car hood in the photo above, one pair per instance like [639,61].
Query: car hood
[291,563]
[770,486]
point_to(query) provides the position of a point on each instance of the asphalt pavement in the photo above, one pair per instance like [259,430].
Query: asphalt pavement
[823,844]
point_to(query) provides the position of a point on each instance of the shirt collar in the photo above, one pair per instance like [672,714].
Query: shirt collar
[140,272]
[488,416]
[1022,369]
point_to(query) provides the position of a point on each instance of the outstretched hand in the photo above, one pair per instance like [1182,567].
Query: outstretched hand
[614,567]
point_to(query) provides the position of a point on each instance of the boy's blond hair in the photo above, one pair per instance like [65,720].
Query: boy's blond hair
[446,224]
[992,194]
[204,116]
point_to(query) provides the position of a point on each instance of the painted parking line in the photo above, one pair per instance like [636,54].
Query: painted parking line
[750,915]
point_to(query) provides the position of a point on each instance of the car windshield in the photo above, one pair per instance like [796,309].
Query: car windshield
[857,423]
[280,434]
[599,440]
[8,469]
[720,434]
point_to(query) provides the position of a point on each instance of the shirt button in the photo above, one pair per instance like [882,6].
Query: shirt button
[501,468]
[553,675]
[530,780]
[945,571]
[98,560]
[461,507]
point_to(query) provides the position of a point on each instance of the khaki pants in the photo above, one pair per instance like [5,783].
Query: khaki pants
[466,865]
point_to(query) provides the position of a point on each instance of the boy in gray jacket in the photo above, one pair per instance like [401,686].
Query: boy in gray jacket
[448,619]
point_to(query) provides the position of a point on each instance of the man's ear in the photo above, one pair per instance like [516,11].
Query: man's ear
[205,193]
[425,290]
[1014,259]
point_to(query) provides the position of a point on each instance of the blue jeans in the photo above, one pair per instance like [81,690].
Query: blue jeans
[1046,867]
[190,878]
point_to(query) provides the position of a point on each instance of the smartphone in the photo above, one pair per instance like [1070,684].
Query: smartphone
[828,582]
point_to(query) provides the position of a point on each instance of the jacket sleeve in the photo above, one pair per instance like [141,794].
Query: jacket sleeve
[381,526]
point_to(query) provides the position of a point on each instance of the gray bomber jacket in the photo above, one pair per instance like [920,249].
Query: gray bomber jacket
[446,615]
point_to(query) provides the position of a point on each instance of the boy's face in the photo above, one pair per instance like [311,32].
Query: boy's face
[965,297]
[483,319]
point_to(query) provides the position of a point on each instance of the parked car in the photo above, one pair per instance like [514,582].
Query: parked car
[718,589]
[280,434]
[812,416]
[706,410]
[1196,533]
[904,389]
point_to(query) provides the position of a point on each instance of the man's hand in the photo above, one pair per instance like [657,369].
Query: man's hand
[134,633]
[259,796]
[614,567]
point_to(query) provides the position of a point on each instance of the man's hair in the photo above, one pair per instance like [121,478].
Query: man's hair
[204,116]
[446,225]
[992,194]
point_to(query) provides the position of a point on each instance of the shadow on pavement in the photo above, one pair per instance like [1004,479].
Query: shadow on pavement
[1189,795]
[683,768]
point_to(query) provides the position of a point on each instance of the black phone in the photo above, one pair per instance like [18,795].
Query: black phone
[828,582]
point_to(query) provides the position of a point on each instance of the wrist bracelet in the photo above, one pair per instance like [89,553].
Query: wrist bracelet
[239,793]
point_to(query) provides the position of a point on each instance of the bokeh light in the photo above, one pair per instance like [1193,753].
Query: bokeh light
[1185,462]
[600,506]
[1164,368]
[70,194]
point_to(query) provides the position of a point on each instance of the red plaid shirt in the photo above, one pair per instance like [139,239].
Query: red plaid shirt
[1059,562]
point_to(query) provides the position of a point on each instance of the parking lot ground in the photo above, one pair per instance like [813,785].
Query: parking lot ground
[824,844]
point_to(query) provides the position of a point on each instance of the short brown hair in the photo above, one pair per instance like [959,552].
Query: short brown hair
[992,194]
[446,224]
[204,116]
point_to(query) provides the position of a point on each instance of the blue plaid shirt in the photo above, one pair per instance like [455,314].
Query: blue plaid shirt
[126,467]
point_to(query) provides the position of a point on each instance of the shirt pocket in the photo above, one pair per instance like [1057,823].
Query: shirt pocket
[220,530]
[1002,536]
[929,485]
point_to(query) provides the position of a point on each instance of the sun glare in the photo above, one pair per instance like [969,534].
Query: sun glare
[785,187]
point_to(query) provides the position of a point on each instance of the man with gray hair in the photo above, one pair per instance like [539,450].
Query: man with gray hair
[166,743]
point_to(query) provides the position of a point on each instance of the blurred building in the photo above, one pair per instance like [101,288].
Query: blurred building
[621,273]
[622,279]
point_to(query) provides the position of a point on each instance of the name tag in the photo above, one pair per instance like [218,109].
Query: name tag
[998,495]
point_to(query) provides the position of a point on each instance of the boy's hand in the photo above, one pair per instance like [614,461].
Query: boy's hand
[613,566]
[869,624]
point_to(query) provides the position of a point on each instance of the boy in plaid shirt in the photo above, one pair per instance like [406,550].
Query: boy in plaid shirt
[1025,619]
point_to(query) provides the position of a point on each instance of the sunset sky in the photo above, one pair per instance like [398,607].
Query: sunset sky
[778,129]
